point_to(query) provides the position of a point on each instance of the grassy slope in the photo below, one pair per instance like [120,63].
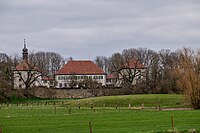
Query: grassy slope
[149,100]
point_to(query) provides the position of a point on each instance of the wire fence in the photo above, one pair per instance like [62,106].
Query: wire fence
[58,117]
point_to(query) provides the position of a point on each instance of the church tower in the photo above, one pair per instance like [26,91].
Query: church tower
[25,52]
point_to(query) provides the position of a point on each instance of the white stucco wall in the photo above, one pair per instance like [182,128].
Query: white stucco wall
[18,82]
[65,79]
[141,73]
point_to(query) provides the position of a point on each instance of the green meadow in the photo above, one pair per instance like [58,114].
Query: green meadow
[149,100]
[74,116]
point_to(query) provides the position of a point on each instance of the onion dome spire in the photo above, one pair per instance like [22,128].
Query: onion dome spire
[25,51]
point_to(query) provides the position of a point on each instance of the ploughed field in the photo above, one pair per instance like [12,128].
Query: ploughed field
[113,114]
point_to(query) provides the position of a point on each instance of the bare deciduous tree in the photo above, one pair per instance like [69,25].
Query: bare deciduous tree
[28,73]
[189,75]
[127,66]
[6,66]
[47,62]
[102,62]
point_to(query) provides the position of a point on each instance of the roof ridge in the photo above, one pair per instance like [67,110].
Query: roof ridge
[81,60]
[80,67]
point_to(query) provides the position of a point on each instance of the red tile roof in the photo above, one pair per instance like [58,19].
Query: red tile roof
[111,76]
[80,68]
[134,64]
[25,66]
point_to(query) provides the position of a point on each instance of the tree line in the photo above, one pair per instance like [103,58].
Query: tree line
[160,76]
[166,71]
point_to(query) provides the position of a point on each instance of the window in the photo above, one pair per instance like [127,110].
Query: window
[139,71]
[60,85]
[65,85]
[100,77]
[20,86]
[20,79]
[75,77]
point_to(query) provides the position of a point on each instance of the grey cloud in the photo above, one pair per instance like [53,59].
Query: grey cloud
[87,28]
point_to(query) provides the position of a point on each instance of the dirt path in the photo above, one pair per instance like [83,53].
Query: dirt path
[166,109]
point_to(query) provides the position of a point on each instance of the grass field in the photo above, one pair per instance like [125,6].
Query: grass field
[165,100]
[63,118]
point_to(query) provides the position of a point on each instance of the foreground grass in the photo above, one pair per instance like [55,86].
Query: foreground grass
[109,120]
[149,100]
[64,115]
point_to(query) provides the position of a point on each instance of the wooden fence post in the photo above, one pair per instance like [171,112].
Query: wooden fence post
[20,105]
[159,107]
[1,130]
[94,111]
[55,110]
[104,105]
[10,110]
[172,121]
[129,106]
[90,125]
[142,106]
[31,105]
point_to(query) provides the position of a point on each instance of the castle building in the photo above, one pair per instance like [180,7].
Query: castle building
[77,71]
[25,74]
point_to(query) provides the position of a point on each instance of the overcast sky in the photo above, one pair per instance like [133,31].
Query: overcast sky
[85,29]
